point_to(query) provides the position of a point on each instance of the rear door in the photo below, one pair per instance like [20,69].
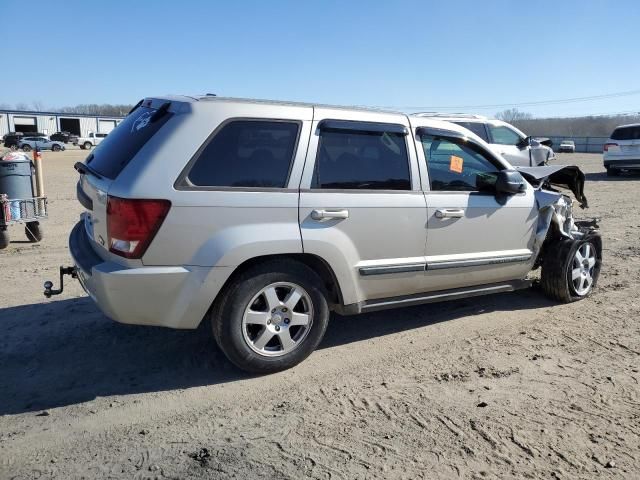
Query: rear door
[361,207]
[506,141]
[473,238]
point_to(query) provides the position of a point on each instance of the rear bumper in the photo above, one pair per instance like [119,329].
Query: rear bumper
[175,297]
[625,164]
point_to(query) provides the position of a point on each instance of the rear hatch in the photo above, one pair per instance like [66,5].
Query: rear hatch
[624,142]
[108,160]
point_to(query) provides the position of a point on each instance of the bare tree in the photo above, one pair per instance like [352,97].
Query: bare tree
[5,106]
[22,106]
[38,105]
[513,115]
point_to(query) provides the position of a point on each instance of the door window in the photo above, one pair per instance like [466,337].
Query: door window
[504,135]
[457,166]
[477,128]
[365,160]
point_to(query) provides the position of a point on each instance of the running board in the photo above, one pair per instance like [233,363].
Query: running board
[432,297]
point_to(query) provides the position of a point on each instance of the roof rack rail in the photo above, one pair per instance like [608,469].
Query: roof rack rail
[449,115]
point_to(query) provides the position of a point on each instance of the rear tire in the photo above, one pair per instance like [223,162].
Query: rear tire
[253,326]
[613,172]
[26,148]
[4,238]
[33,231]
[56,148]
[570,268]
[87,146]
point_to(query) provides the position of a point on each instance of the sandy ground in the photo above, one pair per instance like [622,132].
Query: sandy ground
[506,386]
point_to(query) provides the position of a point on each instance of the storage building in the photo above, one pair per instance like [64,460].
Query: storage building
[51,122]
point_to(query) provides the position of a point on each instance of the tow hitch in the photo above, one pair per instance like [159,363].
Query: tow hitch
[48,285]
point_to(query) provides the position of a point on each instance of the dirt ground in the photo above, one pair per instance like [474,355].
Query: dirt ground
[505,386]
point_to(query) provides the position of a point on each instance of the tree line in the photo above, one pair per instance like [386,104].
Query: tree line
[104,109]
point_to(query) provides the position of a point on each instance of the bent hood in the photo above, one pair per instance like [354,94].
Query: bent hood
[566,176]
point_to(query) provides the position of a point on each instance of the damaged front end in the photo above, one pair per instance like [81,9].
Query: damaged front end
[555,209]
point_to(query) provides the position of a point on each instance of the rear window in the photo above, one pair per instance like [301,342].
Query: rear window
[247,153]
[626,133]
[122,144]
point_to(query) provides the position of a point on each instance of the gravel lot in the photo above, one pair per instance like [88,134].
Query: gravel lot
[503,386]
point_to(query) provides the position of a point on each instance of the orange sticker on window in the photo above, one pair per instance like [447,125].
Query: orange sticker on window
[455,164]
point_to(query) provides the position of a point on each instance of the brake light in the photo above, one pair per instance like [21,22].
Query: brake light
[132,224]
[607,145]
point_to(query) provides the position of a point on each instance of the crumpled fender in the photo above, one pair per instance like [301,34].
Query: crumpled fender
[566,176]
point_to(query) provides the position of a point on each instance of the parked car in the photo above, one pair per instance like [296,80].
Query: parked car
[568,146]
[93,140]
[265,216]
[622,150]
[12,139]
[503,138]
[42,143]
[65,137]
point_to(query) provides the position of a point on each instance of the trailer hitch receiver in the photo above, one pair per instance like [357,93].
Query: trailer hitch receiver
[49,291]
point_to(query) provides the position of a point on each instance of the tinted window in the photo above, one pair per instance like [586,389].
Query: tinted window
[456,166]
[361,160]
[247,153]
[503,135]
[626,133]
[475,127]
[124,142]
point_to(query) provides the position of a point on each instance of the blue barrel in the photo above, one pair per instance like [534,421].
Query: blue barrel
[15,182]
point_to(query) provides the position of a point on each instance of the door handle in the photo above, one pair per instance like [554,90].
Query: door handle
[329,214]
[450,213]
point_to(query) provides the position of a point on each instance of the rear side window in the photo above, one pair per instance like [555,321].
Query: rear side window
[247,153]
[361,160]
[477,128]
[122,144]
[626,133]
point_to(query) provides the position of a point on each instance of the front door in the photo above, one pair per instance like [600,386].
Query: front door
[361,206]
[473,237]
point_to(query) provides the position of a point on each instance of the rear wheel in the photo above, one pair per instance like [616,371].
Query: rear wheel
[612,172]
[570,269]
[26,148]
[34,232]
[271,317]
[56,148]
[87,145]
[4,238]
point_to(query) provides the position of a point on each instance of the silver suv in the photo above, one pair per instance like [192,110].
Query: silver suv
[503,138]
[264,217]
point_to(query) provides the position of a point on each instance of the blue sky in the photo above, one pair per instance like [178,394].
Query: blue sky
[379,53]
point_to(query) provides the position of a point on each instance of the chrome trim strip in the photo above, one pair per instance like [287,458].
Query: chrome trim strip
[477,262]
[385,269]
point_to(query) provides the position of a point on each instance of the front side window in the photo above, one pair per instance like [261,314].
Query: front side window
[457,166]
[504,135]
[247,153]
[364,160]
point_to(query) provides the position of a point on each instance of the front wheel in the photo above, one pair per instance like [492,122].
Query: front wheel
[56,148]
[26,148]
[33,231]
[271,317]
[87,146]
[570,268]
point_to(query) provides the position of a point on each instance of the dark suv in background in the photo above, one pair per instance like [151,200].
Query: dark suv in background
[65,137]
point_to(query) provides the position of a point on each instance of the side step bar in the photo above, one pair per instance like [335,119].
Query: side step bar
[432,297]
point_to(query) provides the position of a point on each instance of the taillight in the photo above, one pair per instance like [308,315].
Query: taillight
[132,224]
[607,145]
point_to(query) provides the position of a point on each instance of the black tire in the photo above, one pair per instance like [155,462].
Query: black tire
[557,266]
[228,312]
[34,232]
[14,147]
[4,238]
[612,172]
[56,148]
[26,148]
[87,146]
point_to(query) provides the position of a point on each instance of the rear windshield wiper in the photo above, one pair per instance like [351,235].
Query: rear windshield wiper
[160,112]
[83,168]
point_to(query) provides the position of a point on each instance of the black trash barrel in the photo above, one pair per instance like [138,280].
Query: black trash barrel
[15,182]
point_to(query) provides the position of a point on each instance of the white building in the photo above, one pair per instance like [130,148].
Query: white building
[51,122]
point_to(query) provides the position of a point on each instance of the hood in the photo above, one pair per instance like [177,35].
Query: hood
[565,176]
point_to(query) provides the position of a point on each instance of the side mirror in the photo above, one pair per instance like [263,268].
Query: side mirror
[524,143]
[509,182]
